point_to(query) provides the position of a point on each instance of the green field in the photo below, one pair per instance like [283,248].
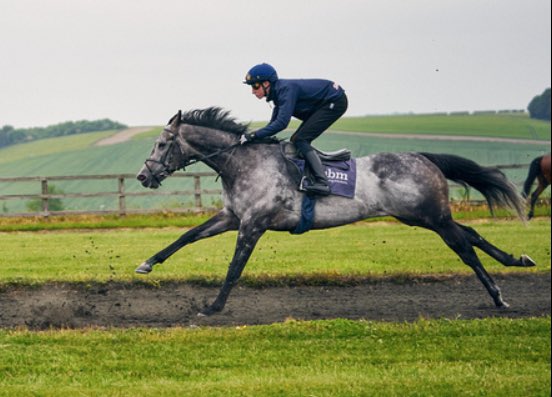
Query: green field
[509,125]
[76,155]
[360,250]
[497,357]
[491,357]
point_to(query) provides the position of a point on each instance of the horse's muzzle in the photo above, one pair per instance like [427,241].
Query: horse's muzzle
[147,180]
[144,180]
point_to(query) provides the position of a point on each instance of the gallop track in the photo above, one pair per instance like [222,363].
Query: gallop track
[64,305]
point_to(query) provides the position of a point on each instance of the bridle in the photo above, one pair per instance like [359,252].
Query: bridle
[165,160]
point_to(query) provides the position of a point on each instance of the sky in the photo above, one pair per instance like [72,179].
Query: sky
[139,61]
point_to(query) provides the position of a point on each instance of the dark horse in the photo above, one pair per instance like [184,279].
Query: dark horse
[259,193]
[539,170]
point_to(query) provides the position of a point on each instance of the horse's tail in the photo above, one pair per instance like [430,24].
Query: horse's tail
[490,181]
[534,171]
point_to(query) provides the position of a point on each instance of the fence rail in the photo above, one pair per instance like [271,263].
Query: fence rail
[197,193]
[45,196]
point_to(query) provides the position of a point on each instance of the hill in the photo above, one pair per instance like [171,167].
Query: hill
[497,125]
[11,136]
[492,125]
[78,154]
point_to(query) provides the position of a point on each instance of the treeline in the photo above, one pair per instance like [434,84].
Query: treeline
[11,136]
[539,108]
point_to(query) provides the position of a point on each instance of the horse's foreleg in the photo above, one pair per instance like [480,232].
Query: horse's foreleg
[248,237]
[220,223]
[506,259]
[455,237]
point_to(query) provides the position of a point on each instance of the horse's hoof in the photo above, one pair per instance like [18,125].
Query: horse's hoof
[208,311]
[526,261]
[144,268]
[502,305]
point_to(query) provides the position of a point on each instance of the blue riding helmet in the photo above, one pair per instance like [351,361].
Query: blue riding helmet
[260,73]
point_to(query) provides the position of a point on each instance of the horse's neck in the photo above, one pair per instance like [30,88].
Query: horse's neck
[238,162]
[207,142]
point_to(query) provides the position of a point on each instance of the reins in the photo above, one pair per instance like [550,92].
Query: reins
[220,151]
[208,156]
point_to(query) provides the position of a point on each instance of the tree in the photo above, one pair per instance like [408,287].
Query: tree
[539,107]
[5,135]
[11,136]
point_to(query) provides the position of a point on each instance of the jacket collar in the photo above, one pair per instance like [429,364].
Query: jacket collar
[272,94]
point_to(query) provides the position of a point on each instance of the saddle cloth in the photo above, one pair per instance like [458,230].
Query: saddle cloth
[340,169]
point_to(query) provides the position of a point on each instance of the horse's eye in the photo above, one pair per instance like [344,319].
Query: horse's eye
[161,145]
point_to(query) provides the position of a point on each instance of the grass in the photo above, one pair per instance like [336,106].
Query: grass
[516,126]
[492,357]
[94,222]
[462,211]
[51,146]
[495,357]
[357,251]
[506,125]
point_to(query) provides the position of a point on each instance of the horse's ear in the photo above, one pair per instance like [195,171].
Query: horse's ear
[175,120]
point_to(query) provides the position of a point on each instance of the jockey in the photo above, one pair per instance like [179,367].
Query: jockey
[317,103]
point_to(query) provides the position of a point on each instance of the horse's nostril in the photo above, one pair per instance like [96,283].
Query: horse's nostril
[141,177]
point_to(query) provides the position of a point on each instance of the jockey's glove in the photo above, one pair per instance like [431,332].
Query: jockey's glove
[248,137]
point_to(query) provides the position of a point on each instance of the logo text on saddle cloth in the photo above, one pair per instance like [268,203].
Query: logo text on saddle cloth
[341,176]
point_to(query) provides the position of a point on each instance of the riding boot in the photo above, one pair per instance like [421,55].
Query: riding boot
[320,184]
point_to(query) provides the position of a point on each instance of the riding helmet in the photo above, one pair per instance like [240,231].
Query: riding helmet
[260,73]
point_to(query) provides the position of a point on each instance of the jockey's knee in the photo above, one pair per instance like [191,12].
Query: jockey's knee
[302,145]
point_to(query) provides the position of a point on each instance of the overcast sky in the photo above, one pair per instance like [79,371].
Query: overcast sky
[139,61]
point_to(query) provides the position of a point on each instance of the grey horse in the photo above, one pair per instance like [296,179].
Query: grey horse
[259,194]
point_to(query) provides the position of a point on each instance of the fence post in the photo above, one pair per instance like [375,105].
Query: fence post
[45,210]
[122,203]
[197,192]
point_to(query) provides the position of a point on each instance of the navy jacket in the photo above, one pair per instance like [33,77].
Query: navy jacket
[297,98]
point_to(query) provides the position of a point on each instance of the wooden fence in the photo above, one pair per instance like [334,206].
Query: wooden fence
[45,196]
[197,193]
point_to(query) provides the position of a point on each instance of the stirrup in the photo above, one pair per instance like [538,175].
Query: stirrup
[318,188]
[304,183]
[321,190]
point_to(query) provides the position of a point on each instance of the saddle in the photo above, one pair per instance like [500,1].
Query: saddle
[340,169]
[290,151]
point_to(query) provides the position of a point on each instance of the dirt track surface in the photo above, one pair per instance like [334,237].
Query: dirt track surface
[177,304]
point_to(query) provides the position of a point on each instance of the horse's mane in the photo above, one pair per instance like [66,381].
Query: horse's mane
[214,117]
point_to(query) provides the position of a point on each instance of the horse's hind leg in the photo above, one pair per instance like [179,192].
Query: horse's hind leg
[457,239]
[506,259]
[535,196]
